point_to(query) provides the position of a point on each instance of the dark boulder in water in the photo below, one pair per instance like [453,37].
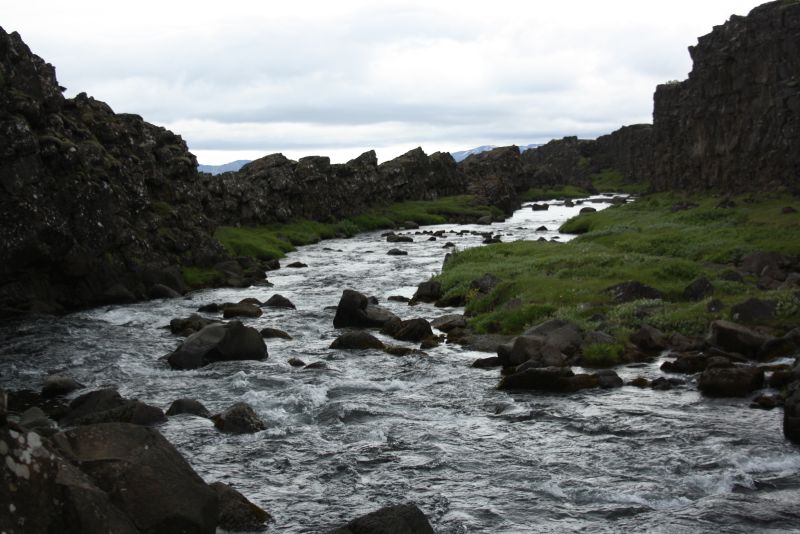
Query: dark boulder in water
[236,512]
[730,381]
[240,418]
[106,406]
[188,406]
[414,330]
[398,519]
[219,342]
[279,301]
[357,341]
[355,310]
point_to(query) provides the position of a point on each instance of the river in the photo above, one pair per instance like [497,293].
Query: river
[375,429]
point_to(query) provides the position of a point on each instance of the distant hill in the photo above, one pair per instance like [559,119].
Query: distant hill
[227,167]
[464,154]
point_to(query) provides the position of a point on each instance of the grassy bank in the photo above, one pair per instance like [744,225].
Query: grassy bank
[607,180]
[645,241]
[275,240]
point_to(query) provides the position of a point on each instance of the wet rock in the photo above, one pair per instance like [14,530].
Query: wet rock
[733,337]
[551,379]
[296,362]
[357,341]
[485,284]
[396,350]
[540,207]
[59,385]
[143,476]
[397,252]
[240,310]
[754,310]
[316,365]
[297,265]
[190,325]
[633,290]
[485,220]
[663,383]
[588,210]
[649,339]
[786,345]
[686,363]
[107,405]
[430,291]
[236,512]
[3,406]
[487,363]
[410,225]
[269,333]
[394,238]
[219,342]
[698,289]
[429,343]
[398,298]
[355,310]
[212,307]
[160,291]
[279,301]
[608,379]
[640,382]
[414,330]
[447,323]
[766,402]
[533,349]
[563,335]
[449,244]
[251,300]
[398,519]
[791,414]
[730,382]
[188,406]
[240,418]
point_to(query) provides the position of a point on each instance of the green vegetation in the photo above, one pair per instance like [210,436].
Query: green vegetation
[611,180]
[644,241]
[603,354]
[196,277]
[275,240]
[567,191]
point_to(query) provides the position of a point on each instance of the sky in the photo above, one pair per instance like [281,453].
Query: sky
[242,79]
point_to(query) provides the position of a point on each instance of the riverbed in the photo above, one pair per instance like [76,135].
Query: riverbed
[374,429]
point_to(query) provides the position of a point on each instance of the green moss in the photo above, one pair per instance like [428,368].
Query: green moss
[197,277]
[644,241]
[603,354]
[275,240]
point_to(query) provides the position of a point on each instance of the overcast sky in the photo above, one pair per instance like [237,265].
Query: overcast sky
[240,79]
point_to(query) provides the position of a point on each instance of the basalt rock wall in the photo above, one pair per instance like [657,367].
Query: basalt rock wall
[734,124]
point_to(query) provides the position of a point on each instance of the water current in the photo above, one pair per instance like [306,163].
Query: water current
[374,429]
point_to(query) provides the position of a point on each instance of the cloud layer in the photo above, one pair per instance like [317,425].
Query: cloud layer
[242,79]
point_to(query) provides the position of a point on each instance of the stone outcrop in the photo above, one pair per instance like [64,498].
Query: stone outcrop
[734,124]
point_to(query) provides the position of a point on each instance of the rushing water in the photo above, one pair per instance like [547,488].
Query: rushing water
[375,429]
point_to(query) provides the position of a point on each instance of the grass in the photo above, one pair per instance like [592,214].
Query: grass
[602,354]
[642,241]
[197,277]
[611,180]
[275,240]
[567,191]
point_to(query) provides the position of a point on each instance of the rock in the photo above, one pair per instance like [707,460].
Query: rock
[35,419]
[588,210]
[397,252]
[530,348]
[212,307]
[398,298]
[429,343]
[608,379]
[665,384]
[715,305]
[766,402]
[240,310]
[686,363]
[356,341]
[236,512]
[190,325]
[160,291]
[355,310]
[485,220]
[569,204]
[316,365]
[733,337]
[786,210]
[552,379]
[3,406]
[188,406]
[410,225]
[449,244]
[633,290]
[296,362]
[398,519]
[649,339]
[786,345]
[396,350]
[297,265]
[219,342]
[698,289]
[394,238]
[58,385]
[540,207]
[757,262]
[269,333]
[279,301]
[251,300]
[754,310]
[730,382]
[640,382]
[414,330]
[143,476]
[107,405]
[445,323]
[542,229]
[791,414]
[430,291]
[485,284]
[239,419]
[563,335]
[487,363]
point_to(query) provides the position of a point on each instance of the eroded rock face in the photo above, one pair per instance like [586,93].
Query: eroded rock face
[734,124]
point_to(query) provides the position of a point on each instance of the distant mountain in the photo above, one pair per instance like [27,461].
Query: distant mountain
[227,167]
[464,154]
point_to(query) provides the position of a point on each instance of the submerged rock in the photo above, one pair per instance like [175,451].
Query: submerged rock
[240,418]
[269,333]
[241,310]
[58,385]
[219,342]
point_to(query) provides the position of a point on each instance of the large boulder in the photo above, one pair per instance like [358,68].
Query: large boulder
[734,337]
[355,309]
[219,342]
[398,519]
[107,406]
[279,301]
[754,310]
[730,381]
[791,414]
[698,289]
[563,335]
[534,349]
[551,379]
[357,340]
[236,512]
[143,476]
[188,406]
[189,325]
[649,339]
[429,291]
[446,323]
[414,330]
[240,418]
[240,309]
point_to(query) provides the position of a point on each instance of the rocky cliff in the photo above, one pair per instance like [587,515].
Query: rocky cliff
[734,124]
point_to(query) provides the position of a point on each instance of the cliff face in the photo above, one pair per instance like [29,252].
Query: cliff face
[734,124]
